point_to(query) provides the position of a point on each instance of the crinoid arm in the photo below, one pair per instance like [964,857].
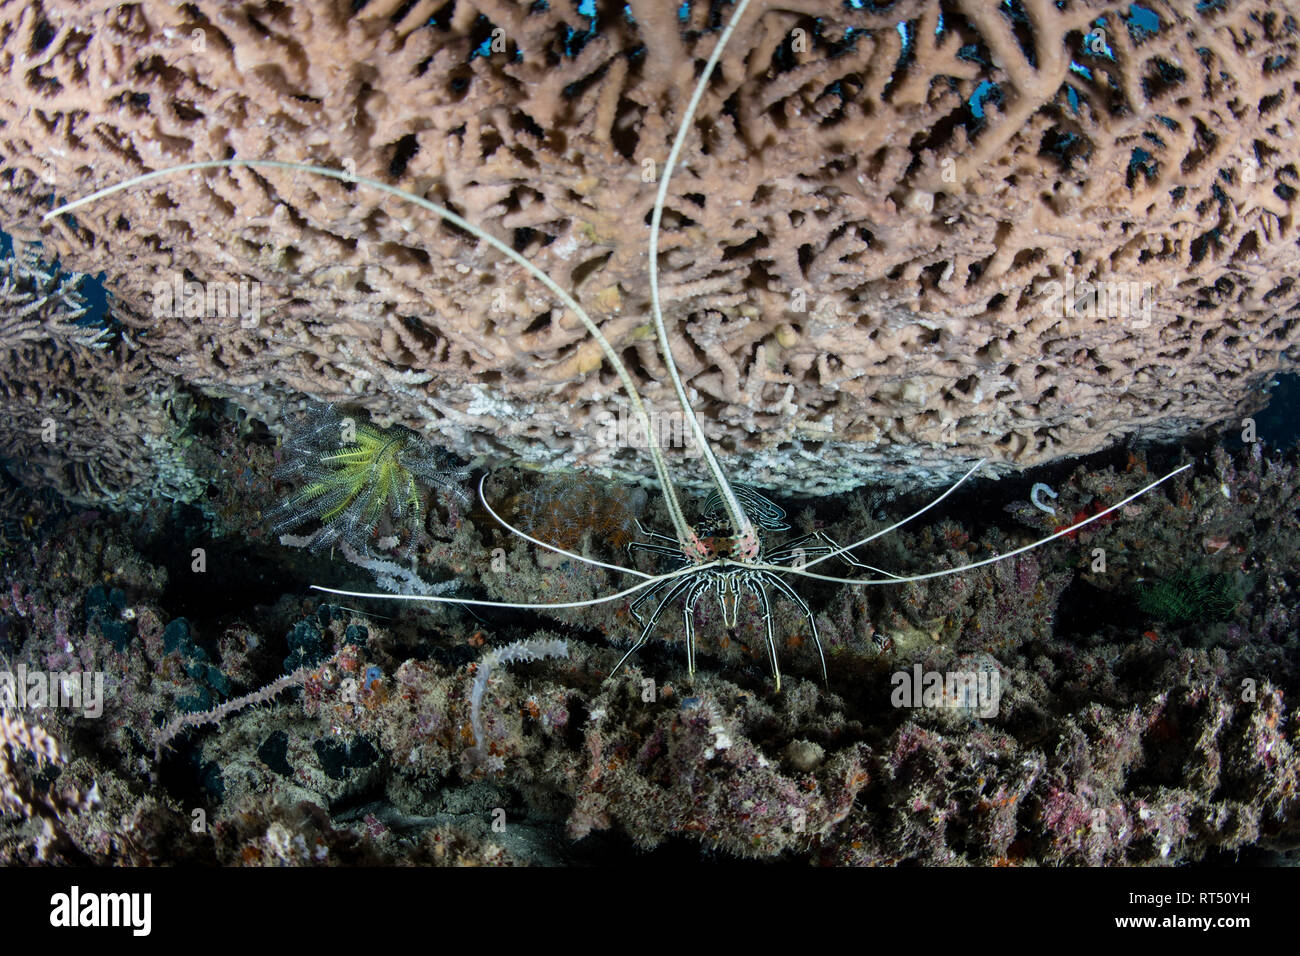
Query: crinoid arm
[355,477]
[435,467]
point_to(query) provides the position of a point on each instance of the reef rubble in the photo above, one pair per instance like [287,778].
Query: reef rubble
[1115,737]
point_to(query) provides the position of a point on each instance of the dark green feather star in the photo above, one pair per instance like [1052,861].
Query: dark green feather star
[1190,596]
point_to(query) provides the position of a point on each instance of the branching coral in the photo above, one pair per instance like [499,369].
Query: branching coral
[901,238]
[86,414]
[101,427]
[85,411]
[20,795]
[38,302]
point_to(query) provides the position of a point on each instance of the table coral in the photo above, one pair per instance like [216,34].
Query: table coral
[900,240]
